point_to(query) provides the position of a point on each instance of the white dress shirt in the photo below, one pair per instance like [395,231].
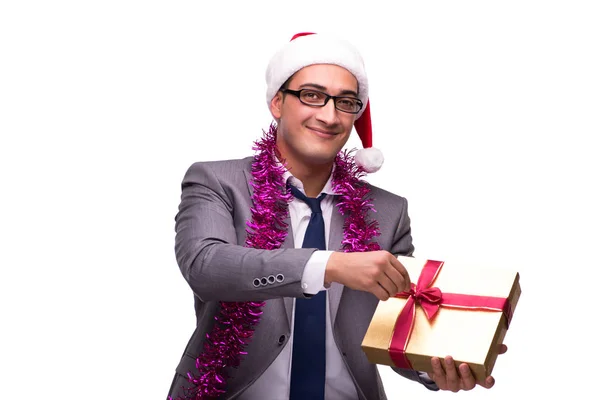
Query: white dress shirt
[274,383]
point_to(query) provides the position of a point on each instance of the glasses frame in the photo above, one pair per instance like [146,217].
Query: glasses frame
[327,97]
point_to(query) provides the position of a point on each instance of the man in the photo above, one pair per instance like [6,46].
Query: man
[289,227]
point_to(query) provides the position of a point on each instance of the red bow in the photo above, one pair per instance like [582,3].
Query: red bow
[431,299]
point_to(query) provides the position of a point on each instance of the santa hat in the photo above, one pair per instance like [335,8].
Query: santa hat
[308,48]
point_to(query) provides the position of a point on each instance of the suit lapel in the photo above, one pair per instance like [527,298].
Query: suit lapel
[336,234]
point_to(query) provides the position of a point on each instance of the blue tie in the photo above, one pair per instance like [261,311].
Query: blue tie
[308,354]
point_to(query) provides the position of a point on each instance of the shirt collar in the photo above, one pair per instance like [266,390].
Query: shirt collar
[292,180]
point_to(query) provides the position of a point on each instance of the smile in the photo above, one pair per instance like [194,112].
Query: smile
[322,133]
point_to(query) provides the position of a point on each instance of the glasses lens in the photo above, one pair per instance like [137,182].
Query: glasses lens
[348,104]
[312,97]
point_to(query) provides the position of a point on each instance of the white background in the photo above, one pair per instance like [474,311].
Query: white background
[488,114]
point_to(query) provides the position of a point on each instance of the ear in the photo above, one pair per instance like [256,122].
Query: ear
[276,105]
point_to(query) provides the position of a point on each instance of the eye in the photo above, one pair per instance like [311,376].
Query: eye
[312,96]
[347,103]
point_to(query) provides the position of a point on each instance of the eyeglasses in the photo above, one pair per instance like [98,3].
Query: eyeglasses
[315,98]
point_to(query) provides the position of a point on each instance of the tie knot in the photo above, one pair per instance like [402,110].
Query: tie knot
[313,203]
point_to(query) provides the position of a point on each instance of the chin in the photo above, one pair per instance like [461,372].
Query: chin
[319,152]
[319,158]
[311,151]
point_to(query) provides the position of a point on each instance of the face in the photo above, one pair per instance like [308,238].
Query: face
[314,135]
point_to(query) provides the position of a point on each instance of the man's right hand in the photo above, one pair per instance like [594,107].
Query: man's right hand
[378,272]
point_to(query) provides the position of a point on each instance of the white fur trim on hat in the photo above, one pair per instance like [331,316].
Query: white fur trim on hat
[370,159]
[315,49]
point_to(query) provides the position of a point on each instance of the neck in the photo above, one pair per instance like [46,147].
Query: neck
[313,177]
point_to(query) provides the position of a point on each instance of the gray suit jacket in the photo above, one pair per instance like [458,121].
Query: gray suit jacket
[209,246]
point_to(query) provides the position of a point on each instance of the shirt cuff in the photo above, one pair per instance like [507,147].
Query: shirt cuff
[313,277]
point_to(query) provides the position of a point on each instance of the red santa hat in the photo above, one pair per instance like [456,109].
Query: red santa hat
[308,48]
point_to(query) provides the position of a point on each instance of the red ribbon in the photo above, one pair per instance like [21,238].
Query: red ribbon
[431,299]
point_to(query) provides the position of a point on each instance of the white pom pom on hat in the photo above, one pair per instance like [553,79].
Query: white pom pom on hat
[308,48]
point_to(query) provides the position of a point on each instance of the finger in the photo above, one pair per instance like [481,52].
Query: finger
[395,279]
[452,377]
[400,268]
[466,377]
[503,349]
[387,284]
[438,374]
[380,292]
[487,382]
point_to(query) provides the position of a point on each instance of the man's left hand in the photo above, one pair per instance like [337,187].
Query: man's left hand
[448,377]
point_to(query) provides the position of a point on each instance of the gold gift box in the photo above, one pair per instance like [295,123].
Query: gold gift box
[469,336]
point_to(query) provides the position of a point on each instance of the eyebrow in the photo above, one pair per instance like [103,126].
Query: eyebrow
[323,89]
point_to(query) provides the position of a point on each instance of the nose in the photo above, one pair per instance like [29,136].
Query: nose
[327,114]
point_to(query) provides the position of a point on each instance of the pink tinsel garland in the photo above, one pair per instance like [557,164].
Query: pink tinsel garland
[234,326]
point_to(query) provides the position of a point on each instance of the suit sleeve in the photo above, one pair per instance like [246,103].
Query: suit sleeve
[211,261]
[403,246]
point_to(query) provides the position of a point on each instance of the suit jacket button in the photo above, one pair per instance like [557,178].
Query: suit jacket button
[256,282]
[281,339]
